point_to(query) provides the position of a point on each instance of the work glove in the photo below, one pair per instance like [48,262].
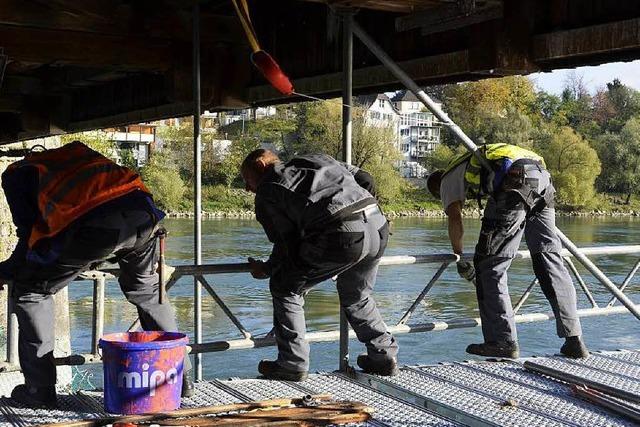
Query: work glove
[466,270]
[259,269]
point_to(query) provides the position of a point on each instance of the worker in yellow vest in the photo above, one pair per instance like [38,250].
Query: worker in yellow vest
[521,202]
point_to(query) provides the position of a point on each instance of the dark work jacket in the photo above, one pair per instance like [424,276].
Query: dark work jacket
[308,194]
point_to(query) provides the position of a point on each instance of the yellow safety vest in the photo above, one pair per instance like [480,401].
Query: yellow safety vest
[496,154]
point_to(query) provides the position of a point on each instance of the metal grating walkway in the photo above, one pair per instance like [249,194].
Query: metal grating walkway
[452,394]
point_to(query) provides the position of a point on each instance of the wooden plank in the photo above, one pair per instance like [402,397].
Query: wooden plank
[189,412]
[611,38]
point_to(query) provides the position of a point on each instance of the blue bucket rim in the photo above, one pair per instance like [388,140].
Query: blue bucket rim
[180,340]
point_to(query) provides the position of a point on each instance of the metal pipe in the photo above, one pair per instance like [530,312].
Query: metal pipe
[334,335]
[97,320]
[524,296]
[423,294]
[12,330]
[586,262]
[471,146]
[326,336]
[162,294]
[347,100]
[241,267]
[197,183]
[224,308]
[583,285]
[626,281]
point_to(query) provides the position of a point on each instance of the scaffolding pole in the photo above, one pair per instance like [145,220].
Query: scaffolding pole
[347,100]
[197,187]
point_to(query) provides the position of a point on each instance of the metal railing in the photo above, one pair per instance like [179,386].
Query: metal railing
[249,340]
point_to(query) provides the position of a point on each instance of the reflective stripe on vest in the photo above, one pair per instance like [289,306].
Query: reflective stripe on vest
[495,153]
[73,180]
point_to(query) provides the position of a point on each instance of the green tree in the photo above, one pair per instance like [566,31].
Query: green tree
[473,105]
[613,107]
[161,176]
[574,166]
[439,158]
[621,152]
[97,140]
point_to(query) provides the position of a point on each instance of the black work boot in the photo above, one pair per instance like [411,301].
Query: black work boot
[35,397]
[574,347]
[188,387]
[272,371]
[387,367]
[507,349]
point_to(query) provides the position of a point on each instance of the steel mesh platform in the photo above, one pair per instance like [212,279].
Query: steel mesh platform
[451,394]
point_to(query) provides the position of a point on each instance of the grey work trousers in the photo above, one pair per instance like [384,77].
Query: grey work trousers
[352,251]
[505,220]
[126,234]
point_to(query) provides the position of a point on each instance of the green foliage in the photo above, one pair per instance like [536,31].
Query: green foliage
[97,140]
[574,166]
[471,105]
[229,167]
[622,152]
[220,198]
[163,180]
[439,158]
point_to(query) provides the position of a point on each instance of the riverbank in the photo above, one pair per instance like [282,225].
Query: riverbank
[421,213]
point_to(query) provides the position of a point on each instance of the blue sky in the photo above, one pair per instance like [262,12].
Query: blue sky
[594,77]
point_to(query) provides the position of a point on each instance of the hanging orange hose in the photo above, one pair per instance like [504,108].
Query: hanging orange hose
[261,59]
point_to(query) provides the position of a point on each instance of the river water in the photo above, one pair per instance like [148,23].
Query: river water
[230,240]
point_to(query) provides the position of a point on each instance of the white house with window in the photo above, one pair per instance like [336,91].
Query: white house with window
[418,133]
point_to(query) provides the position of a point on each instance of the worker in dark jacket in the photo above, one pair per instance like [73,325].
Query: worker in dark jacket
[521,202]
[323,221]
[74,208]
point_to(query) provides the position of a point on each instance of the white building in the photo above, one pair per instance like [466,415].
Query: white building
[417,132]
[138,139]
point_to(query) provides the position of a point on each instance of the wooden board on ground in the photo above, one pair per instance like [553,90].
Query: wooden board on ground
[316,410]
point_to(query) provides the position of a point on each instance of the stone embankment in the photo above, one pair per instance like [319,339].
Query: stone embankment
[467,213]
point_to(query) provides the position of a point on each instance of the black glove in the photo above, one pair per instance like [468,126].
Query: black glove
[466,270]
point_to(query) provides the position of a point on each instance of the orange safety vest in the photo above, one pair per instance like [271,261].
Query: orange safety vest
[73,180]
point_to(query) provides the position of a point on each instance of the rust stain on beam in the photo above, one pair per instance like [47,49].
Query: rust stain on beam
[598,39]
[433,67]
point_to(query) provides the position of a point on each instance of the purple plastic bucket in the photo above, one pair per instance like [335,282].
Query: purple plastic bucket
[142,371]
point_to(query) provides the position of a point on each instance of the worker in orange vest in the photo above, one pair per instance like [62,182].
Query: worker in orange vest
[74,208]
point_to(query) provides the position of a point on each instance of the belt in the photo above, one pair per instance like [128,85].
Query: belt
[363,213]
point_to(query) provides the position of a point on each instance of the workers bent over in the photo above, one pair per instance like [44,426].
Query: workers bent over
[521,201]
[322,222]
[74,208]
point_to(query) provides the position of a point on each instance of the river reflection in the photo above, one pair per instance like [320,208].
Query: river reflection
[227,240]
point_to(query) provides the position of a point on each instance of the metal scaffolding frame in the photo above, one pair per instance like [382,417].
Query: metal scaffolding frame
[249,340]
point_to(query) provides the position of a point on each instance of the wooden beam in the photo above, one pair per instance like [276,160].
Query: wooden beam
[398,6]
[612,39]
[451,16]
[84,49]
[445,66]
[118,18]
